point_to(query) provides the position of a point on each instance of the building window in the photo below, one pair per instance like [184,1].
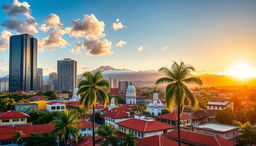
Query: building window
[62,107]
[16,120]
[5,121]
[58,107]
[22,119]
[53,108]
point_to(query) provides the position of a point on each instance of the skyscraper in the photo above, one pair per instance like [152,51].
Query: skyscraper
[40,80]
[23,63]
[123,85]
[67,74]
[53,79]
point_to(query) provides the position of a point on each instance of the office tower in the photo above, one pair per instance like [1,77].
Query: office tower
[40,84]
[23,63]
[4,84]
[53,79]
[67,74]
[123,85]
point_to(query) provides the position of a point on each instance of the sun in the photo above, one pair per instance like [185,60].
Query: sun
[241,70]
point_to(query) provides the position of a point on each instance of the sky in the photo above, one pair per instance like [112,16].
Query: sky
[133,34]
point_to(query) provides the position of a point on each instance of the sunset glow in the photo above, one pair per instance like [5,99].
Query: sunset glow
[241,70]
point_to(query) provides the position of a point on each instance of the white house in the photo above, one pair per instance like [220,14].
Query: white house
[155,106]
[55,106]
[220,105]
[85,128]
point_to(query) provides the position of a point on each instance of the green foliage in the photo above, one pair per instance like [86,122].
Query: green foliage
[50,94]
[66,125]
[164,112]
[225,116]
[43,117]
[248,134]
[6,104]
[107,133]
[98,119]
[203,101]
[43,139]
[18,137]
[129,140]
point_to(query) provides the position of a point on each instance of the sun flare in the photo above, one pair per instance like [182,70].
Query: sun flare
[241,70]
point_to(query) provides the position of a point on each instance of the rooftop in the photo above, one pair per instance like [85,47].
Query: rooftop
[157,140]
[145,126]
[217,127]
[86,124]
[8,115]
[173,116]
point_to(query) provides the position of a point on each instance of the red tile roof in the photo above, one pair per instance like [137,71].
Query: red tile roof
[55,102]
[117,114]
[76,103]
[199,139]
[157,140]
[86,124]
[7,132]
[86,141]
[8,115]
[145,126]
[173,116]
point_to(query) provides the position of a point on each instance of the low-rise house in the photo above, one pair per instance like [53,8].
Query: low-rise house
[13,118]
[157,140]
[198,139]
[55,106]
[85,128]
[26,107]
[116,115]
[172,119]
[219,105]
[144,127]
[8,132]
[229,132]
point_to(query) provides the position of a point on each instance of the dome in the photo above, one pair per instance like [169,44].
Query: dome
[131,91]
[155,102]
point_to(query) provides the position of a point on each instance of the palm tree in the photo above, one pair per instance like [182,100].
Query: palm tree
[107,133]
[248,134]
[177,93]
[93,87]
[129,140]
[18,137]
[66,125]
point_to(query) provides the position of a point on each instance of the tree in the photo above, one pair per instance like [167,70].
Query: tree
[66,125]
[225,116]
[129,140]
[18,137]
[43,139]
[248,134]
[177,92]
[43,117]
[93,87]
[6,104]
[107,133]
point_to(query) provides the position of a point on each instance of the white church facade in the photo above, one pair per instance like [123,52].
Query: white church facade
[131,95]
[155,107]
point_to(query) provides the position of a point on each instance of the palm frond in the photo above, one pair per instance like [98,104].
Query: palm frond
[164,80]
[193,80]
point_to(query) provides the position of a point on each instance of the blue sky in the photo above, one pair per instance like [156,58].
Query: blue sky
[211,35]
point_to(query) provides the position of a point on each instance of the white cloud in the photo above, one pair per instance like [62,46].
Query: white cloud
[120,43]
[4,40]
[53,40]
[53,21]
[44,28]
[78,48]
[21,26]
[90,27]
[141,48]
[164,48]
[118,25]
[18,8]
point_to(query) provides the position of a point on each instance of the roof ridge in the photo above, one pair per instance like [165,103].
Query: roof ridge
[217,140]
[159,140]
[145,127]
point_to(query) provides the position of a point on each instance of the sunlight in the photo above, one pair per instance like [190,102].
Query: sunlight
[241,70]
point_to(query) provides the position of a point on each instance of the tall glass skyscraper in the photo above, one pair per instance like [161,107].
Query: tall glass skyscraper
[67,74]
[23,63]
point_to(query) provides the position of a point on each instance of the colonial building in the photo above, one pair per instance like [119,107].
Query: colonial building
[155,107]
[143,127]
[131,95]
[13,118]
[116,115]
[172,119]
[112,104]
[85,128]
[219,105]
[55,106]
[229,132]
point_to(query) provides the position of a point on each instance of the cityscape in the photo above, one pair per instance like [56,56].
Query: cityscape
[135,73]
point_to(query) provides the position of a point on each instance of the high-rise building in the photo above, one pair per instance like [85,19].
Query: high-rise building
[40,80]
[23,63]
[53,79]
[4,84]
[123,85]
[67,74]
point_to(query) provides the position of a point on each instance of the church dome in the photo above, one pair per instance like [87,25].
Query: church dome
[155,102]
[131,91]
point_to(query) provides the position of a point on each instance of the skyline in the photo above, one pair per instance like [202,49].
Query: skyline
[199,33]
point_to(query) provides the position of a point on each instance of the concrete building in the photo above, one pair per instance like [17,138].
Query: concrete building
[23,63]
[4,84]
[123,85]
[67,74]
[53,80]
[40,79]
[55,106]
